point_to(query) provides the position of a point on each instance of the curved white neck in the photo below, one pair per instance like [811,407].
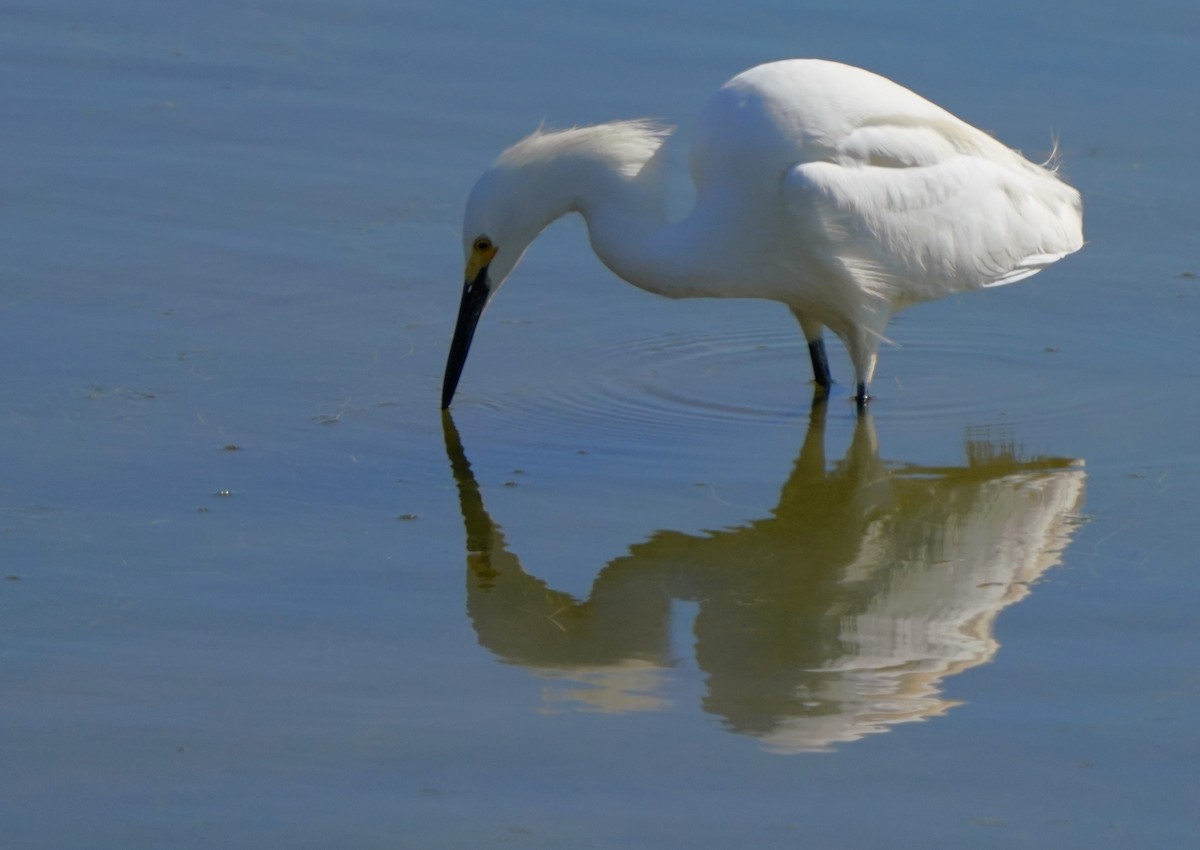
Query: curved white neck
[627,222]
[615,176]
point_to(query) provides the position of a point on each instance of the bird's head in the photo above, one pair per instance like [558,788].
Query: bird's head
[541,177]
[506,211]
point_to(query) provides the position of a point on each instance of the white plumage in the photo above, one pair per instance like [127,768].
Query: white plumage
[820,185]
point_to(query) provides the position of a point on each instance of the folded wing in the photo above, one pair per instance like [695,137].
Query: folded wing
[916,210]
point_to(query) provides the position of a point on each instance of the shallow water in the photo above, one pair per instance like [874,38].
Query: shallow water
[634,592]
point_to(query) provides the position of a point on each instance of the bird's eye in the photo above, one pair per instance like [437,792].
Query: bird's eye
[483,244]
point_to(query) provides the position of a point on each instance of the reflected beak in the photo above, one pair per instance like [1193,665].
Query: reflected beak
[474,297]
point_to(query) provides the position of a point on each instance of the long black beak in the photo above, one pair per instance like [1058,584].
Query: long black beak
[474,297]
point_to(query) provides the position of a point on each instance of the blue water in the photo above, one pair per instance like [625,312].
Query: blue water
[256,592]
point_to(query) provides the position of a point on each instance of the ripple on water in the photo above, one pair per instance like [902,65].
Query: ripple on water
[682,382]
[679,382]
[975,372]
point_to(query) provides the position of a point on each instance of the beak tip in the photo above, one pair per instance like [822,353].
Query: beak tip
[474,299]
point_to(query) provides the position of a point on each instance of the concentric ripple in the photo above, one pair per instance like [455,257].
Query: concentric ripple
[977,371]
[683,381]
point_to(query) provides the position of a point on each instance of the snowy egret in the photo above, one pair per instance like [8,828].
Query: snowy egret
[827,187]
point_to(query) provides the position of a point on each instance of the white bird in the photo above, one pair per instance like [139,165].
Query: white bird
[827,187]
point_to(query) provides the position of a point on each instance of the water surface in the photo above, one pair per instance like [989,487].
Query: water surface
[635,592]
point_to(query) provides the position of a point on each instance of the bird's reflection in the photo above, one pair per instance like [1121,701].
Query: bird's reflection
[835,617]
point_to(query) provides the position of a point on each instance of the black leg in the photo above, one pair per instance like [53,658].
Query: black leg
[820,363]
